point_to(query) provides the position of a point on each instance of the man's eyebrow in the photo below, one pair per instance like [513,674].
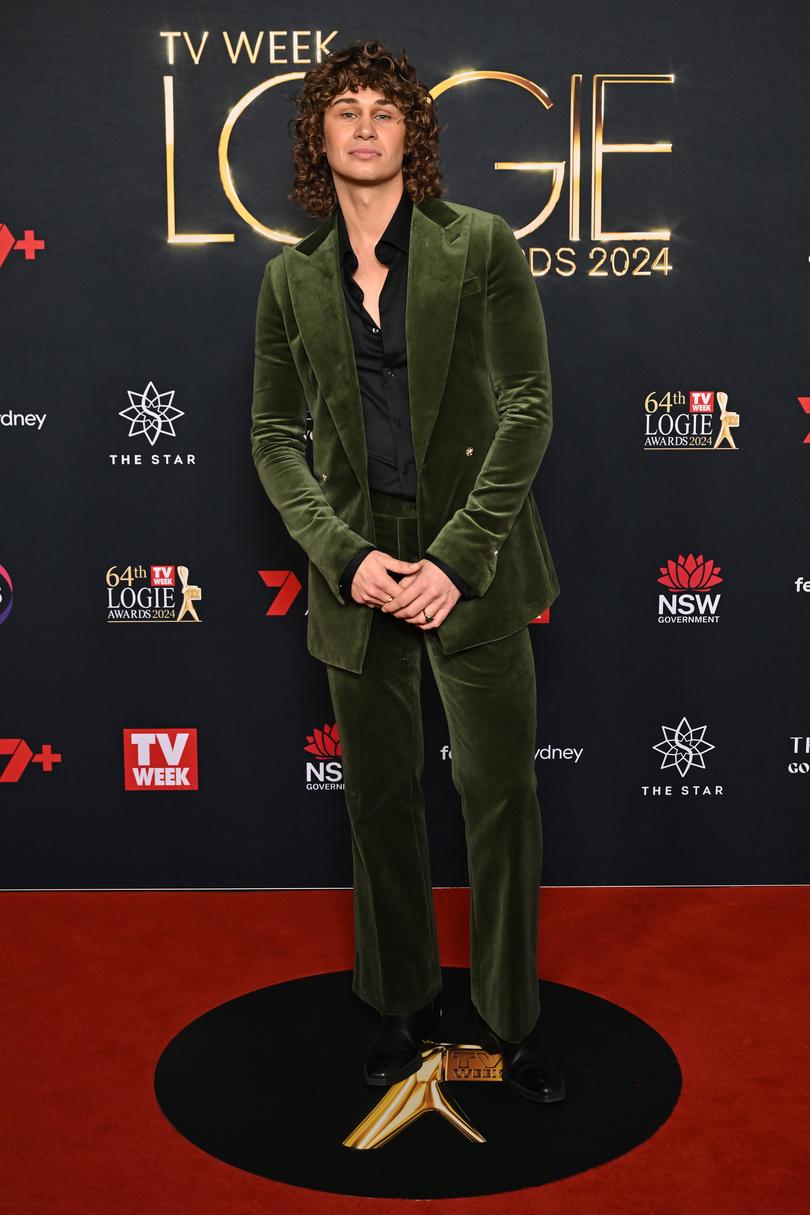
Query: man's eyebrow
[353,101]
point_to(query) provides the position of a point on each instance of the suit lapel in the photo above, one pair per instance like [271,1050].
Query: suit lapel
[437,256]
[436,261]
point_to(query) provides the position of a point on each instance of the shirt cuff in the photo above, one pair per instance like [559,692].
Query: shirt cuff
[464,587]
[350,570]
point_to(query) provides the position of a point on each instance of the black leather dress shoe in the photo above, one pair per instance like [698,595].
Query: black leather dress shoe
[394,1050]
[528,1065]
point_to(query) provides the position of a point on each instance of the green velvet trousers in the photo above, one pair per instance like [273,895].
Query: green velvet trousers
[489,697]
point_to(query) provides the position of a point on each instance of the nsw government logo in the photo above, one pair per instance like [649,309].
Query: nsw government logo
[160,759]
[327,772]
[151,416]
[697,420]
[688,579]
[151,593]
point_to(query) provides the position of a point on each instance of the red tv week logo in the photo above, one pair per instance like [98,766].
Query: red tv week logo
[161,575]
[701,402]
[160,759]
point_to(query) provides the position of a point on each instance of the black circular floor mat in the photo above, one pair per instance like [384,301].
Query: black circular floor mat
[271,1082]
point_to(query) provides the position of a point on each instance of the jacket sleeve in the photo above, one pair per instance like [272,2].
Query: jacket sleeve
[518,357]
[278,444]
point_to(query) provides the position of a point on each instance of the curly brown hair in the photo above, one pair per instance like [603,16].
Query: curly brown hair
[364,63]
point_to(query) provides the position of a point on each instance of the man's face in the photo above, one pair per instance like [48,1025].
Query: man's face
[364,137]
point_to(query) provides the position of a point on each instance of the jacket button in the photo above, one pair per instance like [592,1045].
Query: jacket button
[495,552]
[469,451]
[323,476]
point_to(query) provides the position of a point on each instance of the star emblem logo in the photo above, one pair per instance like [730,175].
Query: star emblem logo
[151,413]
[683,746]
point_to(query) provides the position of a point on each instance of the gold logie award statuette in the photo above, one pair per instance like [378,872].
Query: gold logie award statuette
[190,593]
[417,1094]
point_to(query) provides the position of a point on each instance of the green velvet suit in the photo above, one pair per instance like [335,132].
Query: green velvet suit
[480,394]
[480,399]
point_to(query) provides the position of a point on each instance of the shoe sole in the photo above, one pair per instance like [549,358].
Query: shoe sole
[386,1081]
[544,1098]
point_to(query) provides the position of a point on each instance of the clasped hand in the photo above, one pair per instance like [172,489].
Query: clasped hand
[423,587]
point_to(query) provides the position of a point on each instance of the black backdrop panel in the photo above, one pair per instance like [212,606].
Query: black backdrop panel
[674,723]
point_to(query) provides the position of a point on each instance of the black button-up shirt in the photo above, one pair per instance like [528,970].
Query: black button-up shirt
[381,358]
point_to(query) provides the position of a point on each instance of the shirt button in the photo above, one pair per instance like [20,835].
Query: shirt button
[402,470]
[397,421]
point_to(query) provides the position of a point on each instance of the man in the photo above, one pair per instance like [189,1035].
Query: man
[412,330]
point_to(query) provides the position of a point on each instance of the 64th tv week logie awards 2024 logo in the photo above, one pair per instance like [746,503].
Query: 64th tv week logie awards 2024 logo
[138,594]
[696,420]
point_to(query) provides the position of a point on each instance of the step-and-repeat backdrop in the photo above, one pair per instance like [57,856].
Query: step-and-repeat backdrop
[162,722]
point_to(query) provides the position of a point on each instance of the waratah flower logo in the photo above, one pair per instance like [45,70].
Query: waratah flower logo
[324,743]
[690,573]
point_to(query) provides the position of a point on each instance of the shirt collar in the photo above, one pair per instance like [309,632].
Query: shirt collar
[397,232]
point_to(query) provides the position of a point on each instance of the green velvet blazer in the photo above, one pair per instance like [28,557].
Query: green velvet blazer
[480,396]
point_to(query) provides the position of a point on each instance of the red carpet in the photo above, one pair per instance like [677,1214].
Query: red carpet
[95,984]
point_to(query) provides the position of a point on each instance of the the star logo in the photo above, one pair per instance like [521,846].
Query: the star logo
[151,413]
[683,747]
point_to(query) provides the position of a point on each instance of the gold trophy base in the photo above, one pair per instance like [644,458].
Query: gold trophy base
[420,1093]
